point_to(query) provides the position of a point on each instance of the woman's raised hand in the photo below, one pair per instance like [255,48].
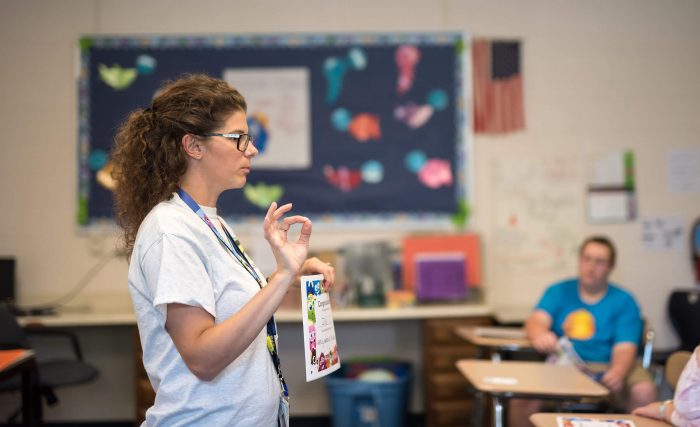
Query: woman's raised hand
[289,256]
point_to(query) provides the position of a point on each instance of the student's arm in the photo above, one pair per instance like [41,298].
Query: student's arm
[537,329]
[653,410]
[624,356]
[691,395]
[628,330]
[208,348]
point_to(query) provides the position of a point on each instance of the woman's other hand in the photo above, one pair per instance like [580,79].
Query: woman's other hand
[289,256]
[316,266]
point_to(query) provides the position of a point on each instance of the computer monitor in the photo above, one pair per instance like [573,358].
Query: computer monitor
[7,281]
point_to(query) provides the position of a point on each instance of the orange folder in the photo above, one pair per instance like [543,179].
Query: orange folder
[467,243]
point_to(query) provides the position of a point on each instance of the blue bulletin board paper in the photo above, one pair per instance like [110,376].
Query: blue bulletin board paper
[351,127]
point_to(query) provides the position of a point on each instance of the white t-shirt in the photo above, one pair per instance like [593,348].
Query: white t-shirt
[178,259]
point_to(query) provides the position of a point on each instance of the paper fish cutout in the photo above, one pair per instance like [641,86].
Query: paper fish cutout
[413,115]
[342,178]
[364,127]
[414,161]
[116,77]
[416,116]
[340,119]
[146,64]
[436,173]
[104,177]
[433,173]
[262,195]
[372,172]
[97,159]
[406,57]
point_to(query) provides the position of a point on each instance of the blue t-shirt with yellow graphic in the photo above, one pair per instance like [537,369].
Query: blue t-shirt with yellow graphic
[592,328]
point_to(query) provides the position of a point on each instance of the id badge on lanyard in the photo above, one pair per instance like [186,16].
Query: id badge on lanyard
[283,412]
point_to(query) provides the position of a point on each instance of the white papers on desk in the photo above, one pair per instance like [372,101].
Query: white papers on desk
[500,332]
[320,346]
[500,380]
[592,422]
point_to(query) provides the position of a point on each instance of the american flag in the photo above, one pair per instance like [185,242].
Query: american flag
[498,86]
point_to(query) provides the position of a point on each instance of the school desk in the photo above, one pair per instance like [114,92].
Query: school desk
[531,380]
[550,419]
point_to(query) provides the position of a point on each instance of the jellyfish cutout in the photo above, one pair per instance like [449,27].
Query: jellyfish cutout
[407,57]
[334,70]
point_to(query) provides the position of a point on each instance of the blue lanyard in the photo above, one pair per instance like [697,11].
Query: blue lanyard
[239,254]
[232,246]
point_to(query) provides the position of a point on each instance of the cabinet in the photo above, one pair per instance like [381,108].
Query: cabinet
[447,401]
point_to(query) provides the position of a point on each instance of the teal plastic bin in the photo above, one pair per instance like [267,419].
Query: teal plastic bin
[359,403]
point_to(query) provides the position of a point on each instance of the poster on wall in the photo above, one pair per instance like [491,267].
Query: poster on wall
[534,222]
[350,127]
[612,194]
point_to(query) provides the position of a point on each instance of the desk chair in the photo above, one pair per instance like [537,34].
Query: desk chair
[674,367]
[684,311]
[53,372]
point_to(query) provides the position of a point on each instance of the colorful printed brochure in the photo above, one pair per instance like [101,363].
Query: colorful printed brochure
[592,422]
[320,346]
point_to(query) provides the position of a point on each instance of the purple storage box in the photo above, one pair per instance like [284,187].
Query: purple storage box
[441,276]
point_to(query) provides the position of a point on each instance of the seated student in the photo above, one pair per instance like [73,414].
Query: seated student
[684,409]
[601,320]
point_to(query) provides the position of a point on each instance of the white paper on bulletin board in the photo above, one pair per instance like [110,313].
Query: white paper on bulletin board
[278,104]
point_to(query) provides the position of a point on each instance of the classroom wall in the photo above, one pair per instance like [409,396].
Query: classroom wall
[599,75]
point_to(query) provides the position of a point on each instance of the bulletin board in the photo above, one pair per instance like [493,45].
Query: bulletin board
[349,126]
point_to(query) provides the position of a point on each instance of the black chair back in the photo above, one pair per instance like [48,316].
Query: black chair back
[11,333]
[684,311]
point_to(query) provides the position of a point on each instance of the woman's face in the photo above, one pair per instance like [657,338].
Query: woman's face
[226,167]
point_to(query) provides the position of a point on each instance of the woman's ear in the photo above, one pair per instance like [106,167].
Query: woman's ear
[192,146]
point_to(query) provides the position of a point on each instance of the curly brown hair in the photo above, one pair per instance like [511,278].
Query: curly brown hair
[148,156]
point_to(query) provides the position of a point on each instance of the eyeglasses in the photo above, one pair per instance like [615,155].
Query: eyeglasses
[241,139]
[598,262]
